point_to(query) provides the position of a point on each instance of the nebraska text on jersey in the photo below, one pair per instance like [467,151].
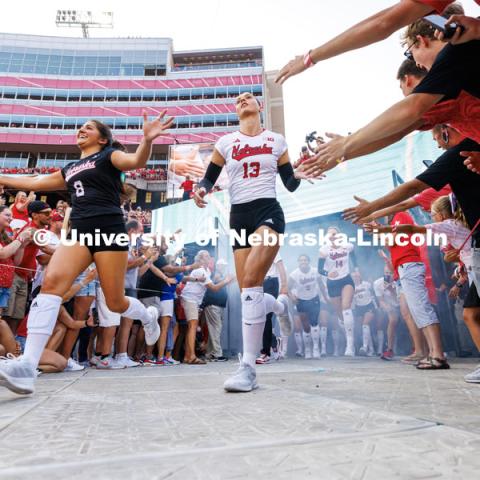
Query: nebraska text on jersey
[239,153]
[79,168]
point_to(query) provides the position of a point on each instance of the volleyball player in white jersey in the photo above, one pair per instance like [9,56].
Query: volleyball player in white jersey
[305,281]
[364,300]
[334,264]
[252,157]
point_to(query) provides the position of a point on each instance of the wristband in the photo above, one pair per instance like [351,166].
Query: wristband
[308,60]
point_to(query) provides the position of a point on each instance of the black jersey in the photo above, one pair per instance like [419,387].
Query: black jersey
[94,185]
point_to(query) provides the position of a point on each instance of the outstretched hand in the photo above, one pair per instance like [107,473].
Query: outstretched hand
[357,214]
[293,67]
[156,127]
[198,197]
[472,161]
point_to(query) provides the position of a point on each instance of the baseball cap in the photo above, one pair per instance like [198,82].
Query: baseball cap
[38,206]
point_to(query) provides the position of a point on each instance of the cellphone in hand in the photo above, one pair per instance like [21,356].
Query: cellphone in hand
[439,23]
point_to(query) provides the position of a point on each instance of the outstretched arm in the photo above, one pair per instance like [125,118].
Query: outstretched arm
[372,30]
[151,130]
[47,183]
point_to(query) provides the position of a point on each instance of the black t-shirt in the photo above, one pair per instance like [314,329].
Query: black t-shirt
[94,185]
[449,168]
[218,298]
[150,281]
[456,68]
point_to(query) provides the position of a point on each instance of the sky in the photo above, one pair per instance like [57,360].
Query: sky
[339,95]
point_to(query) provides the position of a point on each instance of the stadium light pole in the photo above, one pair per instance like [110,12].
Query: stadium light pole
[85,19]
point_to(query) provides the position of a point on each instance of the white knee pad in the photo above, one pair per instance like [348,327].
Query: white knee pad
[253,306]
[43,314]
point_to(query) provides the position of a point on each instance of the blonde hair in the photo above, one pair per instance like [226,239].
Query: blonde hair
[444,206]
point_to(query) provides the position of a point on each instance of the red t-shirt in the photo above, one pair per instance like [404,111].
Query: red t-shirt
[462,113]
[6,271]
[429,195]
[17,214]
[408,253]
[29,259]
[187,185]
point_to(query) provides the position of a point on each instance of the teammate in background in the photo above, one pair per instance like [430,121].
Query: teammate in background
[306,283]
[252,157]
[364,301]
[387,296]
[371,30]
[94,184]
[275,282]
[327,312]
[334,264]
[298,328]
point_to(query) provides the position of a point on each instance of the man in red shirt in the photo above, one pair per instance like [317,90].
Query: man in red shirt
[374,29]
[25,270]
[408,265]
[187,187]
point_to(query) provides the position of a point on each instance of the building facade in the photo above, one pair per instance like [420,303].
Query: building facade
[49,86]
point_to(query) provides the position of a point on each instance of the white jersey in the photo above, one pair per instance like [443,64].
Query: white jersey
[363,294]
[336,260]
[251,164]
[305,284]
[386,292]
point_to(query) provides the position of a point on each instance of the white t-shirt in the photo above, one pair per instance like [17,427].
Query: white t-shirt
[273,270]
[386,292]
[195,291]
[363,294]
[305,284]
[251,164]
[131,275]
[53,241]
[336,260]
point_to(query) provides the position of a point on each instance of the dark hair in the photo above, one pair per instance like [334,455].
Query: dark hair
[4,238]
[106,133]
[409,67]
[132,225]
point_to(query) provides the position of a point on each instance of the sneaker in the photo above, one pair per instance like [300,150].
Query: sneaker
[221,358]
[275,355]
[126,361]
[262,359]
[299,354]
[473,377]
[316,352]
[148,361]
[161,362]
[387,355]
[152,328]
[243,380]
[94,360]
[17,375]
[371,352]
[349,352]
[170,361]
[323,353]
[308,354]
[109,363]
[362,351]
[73,366]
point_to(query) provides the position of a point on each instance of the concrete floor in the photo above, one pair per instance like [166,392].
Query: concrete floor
[324,419]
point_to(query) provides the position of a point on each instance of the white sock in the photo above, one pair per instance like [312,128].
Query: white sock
[380,340]
[367,336]
[41,322]
[136,310]
[348,321]
[284,343]
[253,323]
[315,336]
[121,355]
[323,338]
[298,342]
[273,305]
[307,340]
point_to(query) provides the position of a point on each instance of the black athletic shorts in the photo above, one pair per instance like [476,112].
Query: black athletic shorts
[249,216]
[472,300]
[361,310]
[335,287]
[311,308]
[109,225]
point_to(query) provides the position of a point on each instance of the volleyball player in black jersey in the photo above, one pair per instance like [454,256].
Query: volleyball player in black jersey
[95,184]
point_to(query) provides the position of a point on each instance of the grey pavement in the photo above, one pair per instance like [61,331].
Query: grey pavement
[323,419]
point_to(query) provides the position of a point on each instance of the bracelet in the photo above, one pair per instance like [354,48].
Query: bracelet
[308,60]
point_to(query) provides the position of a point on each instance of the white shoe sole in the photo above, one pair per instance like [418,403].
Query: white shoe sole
[232,389]
[472,381]
[16,386]
[152,339]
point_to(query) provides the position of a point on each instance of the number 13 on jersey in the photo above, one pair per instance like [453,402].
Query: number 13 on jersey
[251,170]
